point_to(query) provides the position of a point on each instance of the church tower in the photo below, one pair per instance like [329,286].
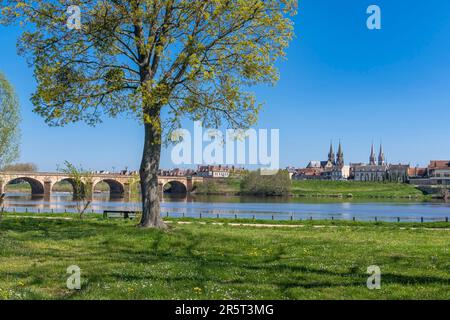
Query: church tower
[331,156]
[381,158]
[340,156]
[372,159]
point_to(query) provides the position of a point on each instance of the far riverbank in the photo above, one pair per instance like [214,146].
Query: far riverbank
[322,189]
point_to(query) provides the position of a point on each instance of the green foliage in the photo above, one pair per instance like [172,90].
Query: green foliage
[192,58]
[21,167]
[9,123]
[256,183]
[120,261]
[82,185]
[209,186]
[216,186]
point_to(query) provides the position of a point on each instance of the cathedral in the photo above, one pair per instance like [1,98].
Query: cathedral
[374,171]
[334,168]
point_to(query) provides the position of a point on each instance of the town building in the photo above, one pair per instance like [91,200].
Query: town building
[379,170]
[437,174]
[374,171]
[308,174]
[398,173]
[333,168]
[219,171]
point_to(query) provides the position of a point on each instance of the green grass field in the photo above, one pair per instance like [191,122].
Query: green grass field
[326,189]
[317,188]
[206,261]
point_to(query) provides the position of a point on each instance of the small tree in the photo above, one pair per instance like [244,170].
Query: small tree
[160,60]
[81,181]
[9,123]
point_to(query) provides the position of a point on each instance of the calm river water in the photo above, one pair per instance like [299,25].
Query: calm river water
[245,207]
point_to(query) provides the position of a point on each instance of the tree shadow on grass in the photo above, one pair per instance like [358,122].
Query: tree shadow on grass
[56,230]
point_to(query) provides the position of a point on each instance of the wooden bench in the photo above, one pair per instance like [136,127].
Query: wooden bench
[126,214]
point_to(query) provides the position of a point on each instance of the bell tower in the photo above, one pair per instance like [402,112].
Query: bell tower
[381,157]
[340,156]
[372,159]
[331,156]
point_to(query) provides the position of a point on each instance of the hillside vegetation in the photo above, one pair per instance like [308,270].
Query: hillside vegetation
[358,189]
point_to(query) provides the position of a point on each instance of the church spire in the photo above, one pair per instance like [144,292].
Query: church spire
[331,156]
[372,159]
[340,156]
[381,158]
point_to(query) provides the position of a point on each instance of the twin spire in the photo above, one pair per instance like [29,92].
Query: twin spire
[339,160]
[381,157]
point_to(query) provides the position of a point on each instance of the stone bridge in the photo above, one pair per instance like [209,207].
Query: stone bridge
[119,185]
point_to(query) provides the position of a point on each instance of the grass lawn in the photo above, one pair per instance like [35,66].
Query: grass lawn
[206,261]
[357,189]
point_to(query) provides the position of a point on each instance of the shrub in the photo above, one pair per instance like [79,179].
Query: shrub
[269,185]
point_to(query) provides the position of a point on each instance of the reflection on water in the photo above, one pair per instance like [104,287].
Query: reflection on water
[243,207]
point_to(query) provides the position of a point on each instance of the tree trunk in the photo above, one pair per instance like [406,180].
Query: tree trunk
[151,217]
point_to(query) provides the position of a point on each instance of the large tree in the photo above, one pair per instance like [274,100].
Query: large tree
[9,123]
[160,60]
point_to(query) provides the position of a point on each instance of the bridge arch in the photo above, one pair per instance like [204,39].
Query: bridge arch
[174,187]
[116,188]
[77,189]
[37,187]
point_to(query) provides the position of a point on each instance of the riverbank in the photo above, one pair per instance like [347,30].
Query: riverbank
[322,189]
[201,260]
[355,189]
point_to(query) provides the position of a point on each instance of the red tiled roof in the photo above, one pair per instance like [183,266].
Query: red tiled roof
[441,164]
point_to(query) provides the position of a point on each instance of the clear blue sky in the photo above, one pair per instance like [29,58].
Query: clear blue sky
[341,81]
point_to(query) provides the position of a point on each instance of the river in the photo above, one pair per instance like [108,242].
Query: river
[245,207]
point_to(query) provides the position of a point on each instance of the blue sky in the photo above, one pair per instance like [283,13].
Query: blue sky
[341,82]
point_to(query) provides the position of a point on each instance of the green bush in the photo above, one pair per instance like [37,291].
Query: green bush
[209,186]
[268,185]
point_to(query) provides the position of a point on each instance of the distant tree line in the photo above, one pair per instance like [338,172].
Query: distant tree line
[20,167]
